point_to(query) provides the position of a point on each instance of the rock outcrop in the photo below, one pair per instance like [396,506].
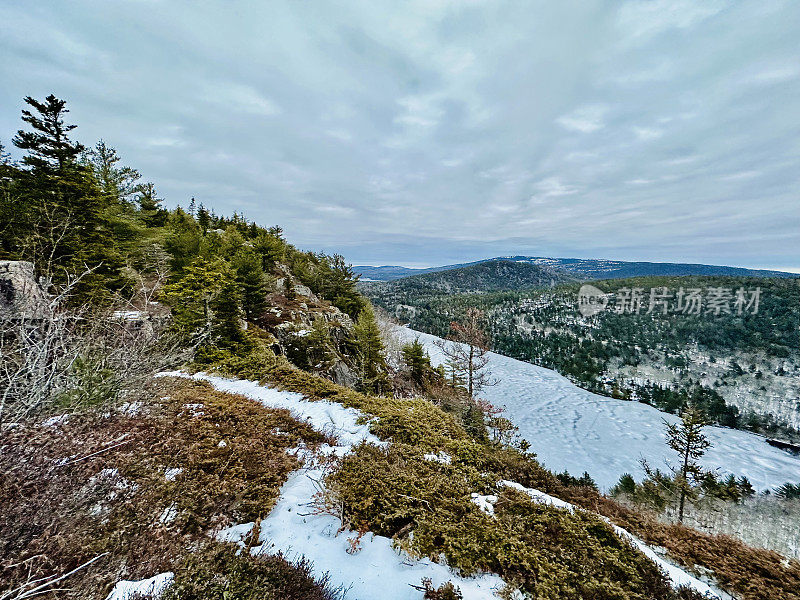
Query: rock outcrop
[21,296]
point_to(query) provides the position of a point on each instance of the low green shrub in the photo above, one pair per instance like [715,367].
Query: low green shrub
[220,572]
[426,507]
[400,485]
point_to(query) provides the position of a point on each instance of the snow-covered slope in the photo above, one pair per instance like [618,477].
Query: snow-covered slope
[570,428]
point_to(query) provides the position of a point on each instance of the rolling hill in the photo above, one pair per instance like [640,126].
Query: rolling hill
[487,276]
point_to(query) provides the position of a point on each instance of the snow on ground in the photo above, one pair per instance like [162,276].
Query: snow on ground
[573,429]
[678,576]
[293,529]
[297,530]
[146,588]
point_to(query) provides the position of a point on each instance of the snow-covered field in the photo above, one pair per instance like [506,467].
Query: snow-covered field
[570,428]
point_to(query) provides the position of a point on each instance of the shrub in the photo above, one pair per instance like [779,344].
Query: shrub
[219,572]
[547,552]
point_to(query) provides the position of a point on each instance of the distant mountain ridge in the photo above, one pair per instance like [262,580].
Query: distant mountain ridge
[487,276]
[579,268]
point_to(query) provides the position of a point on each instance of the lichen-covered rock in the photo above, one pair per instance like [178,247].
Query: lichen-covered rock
[20,293]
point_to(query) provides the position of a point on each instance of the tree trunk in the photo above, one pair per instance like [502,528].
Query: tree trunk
[684,482]
[470,369]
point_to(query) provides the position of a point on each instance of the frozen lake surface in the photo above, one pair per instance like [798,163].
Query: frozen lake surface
[573,429]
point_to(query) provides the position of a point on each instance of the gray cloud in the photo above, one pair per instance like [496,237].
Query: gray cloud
[438,131]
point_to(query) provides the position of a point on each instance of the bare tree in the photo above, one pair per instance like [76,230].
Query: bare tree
[467,352]
[149,276]
[37,349]
[44,585]
[54,351]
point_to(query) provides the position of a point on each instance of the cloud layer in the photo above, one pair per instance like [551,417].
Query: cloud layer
[437,131]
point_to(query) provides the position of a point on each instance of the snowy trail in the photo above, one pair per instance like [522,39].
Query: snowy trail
[293,530]
[573,429]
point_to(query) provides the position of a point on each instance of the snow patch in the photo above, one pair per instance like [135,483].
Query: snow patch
[538,496]
[441,457]
[149,588]
[131,409]
[195,408]
[485,503]
[296,530]
[128,315]
[169,514]
[56,420]
[326,416]
[172,474]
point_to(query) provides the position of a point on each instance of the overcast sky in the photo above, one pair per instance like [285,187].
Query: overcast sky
[439,131]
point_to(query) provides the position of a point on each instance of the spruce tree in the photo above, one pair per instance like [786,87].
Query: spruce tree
[417,361]
[118,183]
[687,439]
[183,239]
[370,351]
[253,284]
[228,316]
[338,284]
[193,296]
[61,217]
[203,219]
[270,247]
[319,347]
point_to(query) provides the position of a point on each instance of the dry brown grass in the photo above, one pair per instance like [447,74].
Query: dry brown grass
[97,484]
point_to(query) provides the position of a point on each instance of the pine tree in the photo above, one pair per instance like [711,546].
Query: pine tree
[467,354]
[417,361]
[183,239]
[687,439]
[252,281]
[228,316]
[150,210]
[48,145]
[9,205]
[203,219]
[61,221]
[117,183]
[338,285]
[319,348]
[193,295]
[270,247]
[288,288]
[370,351]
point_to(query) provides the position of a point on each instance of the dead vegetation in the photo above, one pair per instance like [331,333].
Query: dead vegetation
[141,488]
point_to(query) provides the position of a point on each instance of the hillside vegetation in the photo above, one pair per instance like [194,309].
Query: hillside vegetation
[582,269]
